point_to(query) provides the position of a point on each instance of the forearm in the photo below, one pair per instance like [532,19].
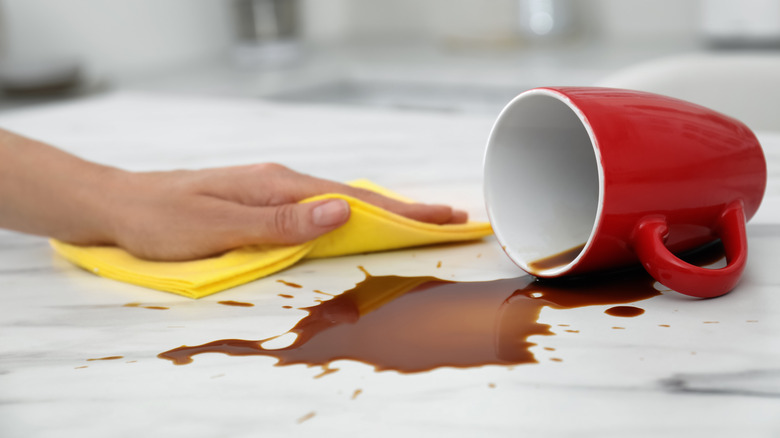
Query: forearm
[48,192]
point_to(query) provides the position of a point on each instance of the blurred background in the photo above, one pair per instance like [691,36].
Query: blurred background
[438,55]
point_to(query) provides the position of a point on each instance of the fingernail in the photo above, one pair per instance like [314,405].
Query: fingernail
[333,212]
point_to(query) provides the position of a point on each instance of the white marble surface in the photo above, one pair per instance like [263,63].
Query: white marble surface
[690,379]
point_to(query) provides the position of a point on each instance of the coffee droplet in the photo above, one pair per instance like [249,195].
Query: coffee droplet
[287,283]
[624,311]
[235,303]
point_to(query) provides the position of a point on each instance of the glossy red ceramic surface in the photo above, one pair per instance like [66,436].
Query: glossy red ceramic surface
[671,169]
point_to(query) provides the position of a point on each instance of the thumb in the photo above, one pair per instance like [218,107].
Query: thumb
[297,223]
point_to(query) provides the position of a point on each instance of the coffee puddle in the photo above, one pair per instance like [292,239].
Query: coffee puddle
[415,324]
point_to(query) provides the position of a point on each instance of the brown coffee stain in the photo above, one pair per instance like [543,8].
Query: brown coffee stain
[325,371]
[356,393]
[288,296]
[287,283]
[624,311]
[416,324]
[664,325]
[438,265]
[145,307]
[556,260]
[317,291]
[106,358]
[235,303]
[287,307]
[306,417]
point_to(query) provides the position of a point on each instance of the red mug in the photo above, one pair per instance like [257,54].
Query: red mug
[585,179]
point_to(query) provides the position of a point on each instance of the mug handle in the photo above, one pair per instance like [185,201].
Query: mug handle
[669,270]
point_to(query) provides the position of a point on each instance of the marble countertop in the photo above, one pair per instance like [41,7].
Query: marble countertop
[683,368]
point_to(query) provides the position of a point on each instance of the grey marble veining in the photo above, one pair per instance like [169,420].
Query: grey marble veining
[714,371]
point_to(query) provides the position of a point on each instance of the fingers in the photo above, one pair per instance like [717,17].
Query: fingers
[291,224]
[271,184]
[430,213]
[303,186]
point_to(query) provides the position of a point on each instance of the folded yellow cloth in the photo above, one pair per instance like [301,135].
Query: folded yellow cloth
[369,228]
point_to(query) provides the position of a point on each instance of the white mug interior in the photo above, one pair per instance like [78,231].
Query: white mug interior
[543,182]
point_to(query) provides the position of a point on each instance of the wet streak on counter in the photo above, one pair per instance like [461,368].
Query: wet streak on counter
[415,324]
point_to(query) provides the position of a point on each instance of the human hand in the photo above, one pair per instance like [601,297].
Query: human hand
[174,215]
[184,215]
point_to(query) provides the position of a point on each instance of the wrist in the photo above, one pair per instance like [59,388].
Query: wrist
[103,195]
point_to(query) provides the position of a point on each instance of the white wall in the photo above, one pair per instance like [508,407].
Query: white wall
[442,19]
[121,37]
[126,37]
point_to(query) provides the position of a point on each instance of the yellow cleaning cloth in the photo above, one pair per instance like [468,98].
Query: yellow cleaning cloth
[369,228]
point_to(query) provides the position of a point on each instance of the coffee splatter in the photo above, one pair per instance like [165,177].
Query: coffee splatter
[316,291]
[235,303]
[325,371]
[624,311]
[106,358]
[306,417]
[146,307]
[415,324]
[287,283]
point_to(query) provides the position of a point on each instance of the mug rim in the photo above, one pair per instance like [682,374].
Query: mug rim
[560,96]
